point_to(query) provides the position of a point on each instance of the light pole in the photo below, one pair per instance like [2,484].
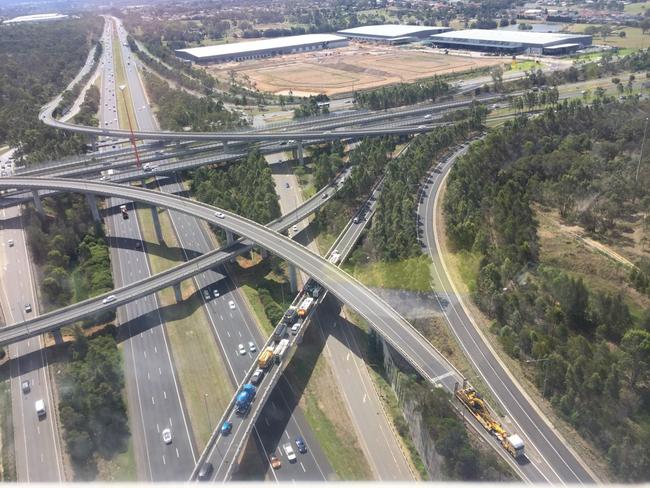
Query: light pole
[128,117]
[207,412]
[541,360]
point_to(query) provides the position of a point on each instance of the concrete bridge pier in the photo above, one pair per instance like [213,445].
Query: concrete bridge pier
[178,294]
[293,278]
[230,238]
[37,202]
[300,153]
[264,253]
[92,141]
[225,146]
[156,224]
[92,203]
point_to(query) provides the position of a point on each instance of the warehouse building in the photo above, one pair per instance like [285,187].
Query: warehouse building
[24,19]
[511,41]
[392,33]
[242,51]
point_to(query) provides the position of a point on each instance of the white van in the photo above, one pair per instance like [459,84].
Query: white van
[40,408]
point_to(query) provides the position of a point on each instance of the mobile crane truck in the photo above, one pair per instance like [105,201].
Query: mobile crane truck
[479,409]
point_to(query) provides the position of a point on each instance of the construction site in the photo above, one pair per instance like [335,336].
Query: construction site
[346,69]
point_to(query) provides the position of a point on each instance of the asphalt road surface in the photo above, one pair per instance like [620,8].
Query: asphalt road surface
[155,401]
[36,440]
[550,459]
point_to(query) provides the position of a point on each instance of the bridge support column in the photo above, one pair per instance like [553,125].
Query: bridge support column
[293,278]
[230,238]
[92,203]
[156,224]
[178,294]
[37,202]
[58,337]
[225,146]
[300,153]
[92,140]
[264,253]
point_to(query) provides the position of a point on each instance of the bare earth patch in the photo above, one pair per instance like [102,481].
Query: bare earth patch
[355,67]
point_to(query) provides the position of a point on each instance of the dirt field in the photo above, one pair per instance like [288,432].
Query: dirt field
[346,69]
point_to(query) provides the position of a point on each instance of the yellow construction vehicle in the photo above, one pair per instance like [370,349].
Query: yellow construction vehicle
[479,409]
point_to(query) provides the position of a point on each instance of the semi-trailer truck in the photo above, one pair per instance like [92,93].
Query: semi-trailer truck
[305,305]
[280,349]
[264,361]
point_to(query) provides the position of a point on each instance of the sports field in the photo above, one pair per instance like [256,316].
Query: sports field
[355,67]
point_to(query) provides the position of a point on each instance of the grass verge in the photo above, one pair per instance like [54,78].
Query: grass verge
[198,363]
[122,467]
[123,96]
[411,274]
[7,433]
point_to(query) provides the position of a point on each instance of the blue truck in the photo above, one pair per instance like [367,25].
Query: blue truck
[245,398]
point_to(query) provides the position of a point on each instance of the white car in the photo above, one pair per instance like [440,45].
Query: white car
[167,436]
[251,347]
[231,304]
[109,299]
[288,450]
[215,293]
[295,228]
[241,349]
[220,215]
[10,242]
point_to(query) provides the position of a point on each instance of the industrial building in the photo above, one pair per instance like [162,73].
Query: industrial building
[35,18]
[511,41]
[242,51]
[392,33]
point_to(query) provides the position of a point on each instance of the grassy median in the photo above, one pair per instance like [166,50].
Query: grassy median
[199,365]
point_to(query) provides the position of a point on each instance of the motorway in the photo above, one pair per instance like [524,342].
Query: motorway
[551,458]
[36,440]
[155,401]
[230,327]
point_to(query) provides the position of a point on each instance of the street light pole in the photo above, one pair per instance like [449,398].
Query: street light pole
[128,117]
[207,412]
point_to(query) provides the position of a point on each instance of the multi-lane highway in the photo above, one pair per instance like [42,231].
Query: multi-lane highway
[155,401]
[37,443]
[552,460]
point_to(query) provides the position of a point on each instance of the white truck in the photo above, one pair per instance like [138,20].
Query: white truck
[40,408]
[280,349]
[305,305]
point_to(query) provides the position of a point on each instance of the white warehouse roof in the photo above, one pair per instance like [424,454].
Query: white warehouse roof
[387,30]
[252,46]
[35,18]
[510,36]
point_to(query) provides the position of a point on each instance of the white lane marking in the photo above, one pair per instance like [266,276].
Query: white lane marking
[227,332]
[159,372]
[364,398]
[153,401]
[165,394]
[145,354]
[38,430]
[155,348]
[164,462]
[178,455]
[303,467]
[148,376]
[158,428]
[170,422]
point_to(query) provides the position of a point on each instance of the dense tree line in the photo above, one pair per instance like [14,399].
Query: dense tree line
[314,105]
[71,249]
[36,62]
[402,94]
[91,408]
[594,355]
[245,187]
[461,460]
[394,231]
[89,109]
[198,81]
[70,96]
[178,109]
